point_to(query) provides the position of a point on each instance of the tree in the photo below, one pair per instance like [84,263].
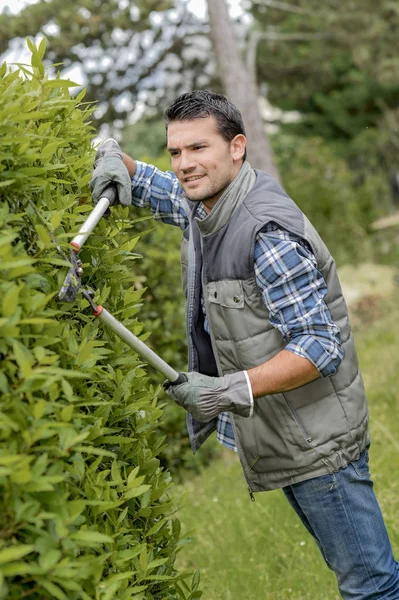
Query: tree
[130,52]
[240,87]
[339,69]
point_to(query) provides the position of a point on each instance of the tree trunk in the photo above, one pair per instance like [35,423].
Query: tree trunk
[240,87]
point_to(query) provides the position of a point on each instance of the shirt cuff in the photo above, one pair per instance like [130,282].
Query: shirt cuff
[251,396]
[309,347]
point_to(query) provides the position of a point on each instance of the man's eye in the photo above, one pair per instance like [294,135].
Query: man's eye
[198,147]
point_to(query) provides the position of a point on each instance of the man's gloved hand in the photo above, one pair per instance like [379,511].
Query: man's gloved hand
[206,397]
[109,168]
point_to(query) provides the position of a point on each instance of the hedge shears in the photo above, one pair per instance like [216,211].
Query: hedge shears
[72,286]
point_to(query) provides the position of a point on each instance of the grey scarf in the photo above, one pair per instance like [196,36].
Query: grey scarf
[233,195]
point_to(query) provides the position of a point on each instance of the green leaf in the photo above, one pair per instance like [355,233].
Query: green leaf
[67,412]
[127,555]
[134,492]
[10,300]
[75,508]
[39,408]
[95,451]
[53,589]
[132,477]
[85,352]
[43,233]
[19,262]
[49,559]
[36,321]
[104,504]
[15,552]
[155,528]
[196,580]
[156,563]
[23,357]
[3,383]
[91,537]
[110,591]
[60,83]
[135,589]
[18,568]
[21,476]
[31,45]
[42,48]
[56,217]
[124,576]
[143,559]
[11,459]
[68,584]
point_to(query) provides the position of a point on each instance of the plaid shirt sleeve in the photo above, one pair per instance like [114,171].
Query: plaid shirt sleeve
[293,291]
[160,192]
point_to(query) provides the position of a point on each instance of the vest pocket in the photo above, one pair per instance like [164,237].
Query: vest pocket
[227,293]
[307,437]
[319,411]
[272,439]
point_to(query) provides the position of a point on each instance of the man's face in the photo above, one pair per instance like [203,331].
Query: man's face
[203,161]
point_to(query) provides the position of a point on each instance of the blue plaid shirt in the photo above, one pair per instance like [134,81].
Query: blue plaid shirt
[292,288]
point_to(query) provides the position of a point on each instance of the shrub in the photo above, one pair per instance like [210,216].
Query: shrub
[84,506]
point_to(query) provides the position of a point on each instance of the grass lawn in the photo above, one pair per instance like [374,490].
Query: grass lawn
[259,550]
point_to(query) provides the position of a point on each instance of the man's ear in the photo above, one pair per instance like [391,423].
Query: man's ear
[237,146]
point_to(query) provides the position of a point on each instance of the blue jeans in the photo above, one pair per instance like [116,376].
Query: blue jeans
[341,512]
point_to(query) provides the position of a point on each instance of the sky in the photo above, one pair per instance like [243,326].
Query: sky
[15,5]
[197,6]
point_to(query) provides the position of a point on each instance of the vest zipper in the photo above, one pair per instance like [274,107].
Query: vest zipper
[241,454]
[298,422]
[190,296]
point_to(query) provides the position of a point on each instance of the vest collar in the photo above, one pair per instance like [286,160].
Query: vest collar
[229,201]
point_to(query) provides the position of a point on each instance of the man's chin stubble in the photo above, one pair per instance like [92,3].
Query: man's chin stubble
[203,198]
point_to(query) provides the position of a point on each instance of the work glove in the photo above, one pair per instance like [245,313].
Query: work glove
[206,397]
[109,168]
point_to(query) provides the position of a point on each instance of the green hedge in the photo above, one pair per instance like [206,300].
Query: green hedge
[84,505]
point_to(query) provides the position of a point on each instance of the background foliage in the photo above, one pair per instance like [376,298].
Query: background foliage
[85,511]
[340,72]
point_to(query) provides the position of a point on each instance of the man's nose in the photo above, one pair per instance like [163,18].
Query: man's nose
[187,162]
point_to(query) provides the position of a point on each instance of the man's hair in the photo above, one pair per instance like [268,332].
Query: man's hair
[200,104]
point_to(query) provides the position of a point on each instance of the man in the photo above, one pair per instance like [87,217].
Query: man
[272,362]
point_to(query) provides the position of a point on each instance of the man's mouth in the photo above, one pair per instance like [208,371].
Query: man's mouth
[193,178]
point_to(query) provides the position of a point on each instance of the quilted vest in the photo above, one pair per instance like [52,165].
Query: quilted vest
[293,436]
